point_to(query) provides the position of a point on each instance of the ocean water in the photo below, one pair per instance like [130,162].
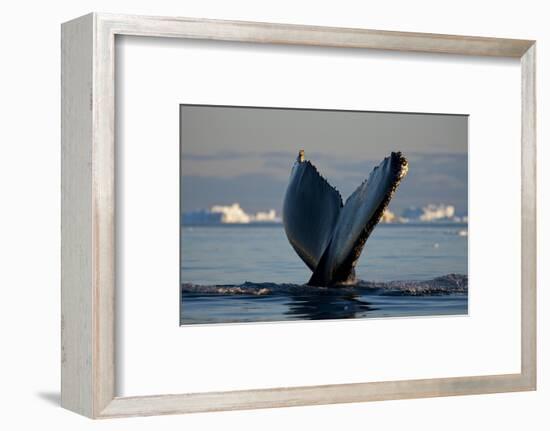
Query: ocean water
[250,273]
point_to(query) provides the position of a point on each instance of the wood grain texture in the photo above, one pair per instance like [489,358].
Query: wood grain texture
[76,216]
[287,34]
[528,218]
[312,395]
[103,216]
[89,202]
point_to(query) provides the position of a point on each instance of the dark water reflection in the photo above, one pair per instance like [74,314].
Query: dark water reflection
[257,302]
[329,306]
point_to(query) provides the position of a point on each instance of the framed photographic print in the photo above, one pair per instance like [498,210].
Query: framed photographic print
[250,241]
[317,202]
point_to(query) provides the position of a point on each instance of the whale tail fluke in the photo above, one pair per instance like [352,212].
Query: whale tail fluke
[329,236]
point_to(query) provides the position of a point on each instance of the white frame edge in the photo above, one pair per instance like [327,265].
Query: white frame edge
[88,215]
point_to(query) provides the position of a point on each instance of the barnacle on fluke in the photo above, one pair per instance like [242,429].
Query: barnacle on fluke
[327,234]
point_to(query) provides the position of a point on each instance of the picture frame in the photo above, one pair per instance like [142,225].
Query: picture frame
[88,139]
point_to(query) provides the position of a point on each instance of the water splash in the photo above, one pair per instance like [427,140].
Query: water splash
[445,285]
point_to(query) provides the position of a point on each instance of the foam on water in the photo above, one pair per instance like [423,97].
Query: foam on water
[445,285]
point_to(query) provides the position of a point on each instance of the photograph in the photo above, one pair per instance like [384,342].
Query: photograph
[307,214]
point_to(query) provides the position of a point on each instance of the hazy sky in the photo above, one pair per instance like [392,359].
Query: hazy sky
[244,155]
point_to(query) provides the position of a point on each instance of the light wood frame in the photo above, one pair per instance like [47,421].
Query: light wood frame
[88,214]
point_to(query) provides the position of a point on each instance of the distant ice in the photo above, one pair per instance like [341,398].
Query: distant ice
[235,214]
[229,214]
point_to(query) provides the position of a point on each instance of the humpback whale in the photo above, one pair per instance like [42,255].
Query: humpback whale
[327,234]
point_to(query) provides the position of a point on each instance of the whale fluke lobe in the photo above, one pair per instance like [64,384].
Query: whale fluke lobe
[360,214]
[329,236]
[310,209]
